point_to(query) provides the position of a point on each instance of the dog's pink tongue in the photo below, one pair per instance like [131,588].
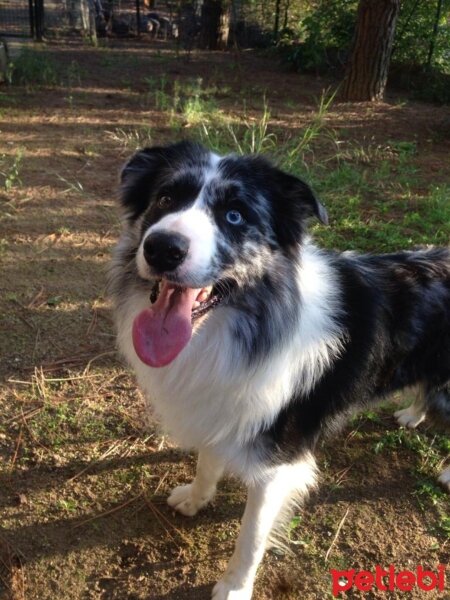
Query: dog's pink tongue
[161,332]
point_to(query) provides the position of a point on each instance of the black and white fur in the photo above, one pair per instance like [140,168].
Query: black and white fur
[302,337]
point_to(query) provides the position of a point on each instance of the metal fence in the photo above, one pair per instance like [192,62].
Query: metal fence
[112,17]
[248,23]
[21,18]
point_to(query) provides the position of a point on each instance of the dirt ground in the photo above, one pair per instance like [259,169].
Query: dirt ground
[84,474]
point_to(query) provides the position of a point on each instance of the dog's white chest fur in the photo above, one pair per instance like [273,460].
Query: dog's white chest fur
[210,396]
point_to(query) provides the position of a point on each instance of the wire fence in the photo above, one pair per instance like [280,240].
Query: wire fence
[17,17]
[247,24]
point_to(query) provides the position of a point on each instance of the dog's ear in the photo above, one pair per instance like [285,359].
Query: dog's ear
[138,178]
[296,203]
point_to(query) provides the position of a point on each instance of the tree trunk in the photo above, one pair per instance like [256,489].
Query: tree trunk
[224,29]
[276,25]
[435,32]
[286,14]
[88,20]
[210,27]
[368,65]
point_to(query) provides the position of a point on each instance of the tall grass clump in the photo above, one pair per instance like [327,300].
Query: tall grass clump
[246,136]
[299,151]
[33,68]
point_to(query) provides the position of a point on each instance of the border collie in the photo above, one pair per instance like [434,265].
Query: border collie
[251,343]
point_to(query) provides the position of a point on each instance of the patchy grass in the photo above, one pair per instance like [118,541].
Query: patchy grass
[10,167]
[83,476]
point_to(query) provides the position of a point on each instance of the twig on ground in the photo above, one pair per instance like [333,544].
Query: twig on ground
[16,452]
[340,476]
[105,454]
[57,379]
[64,362]
[24,415]
[88,366]
[110,511]
[160,516]
[37,300]
[161,481]
[337,534]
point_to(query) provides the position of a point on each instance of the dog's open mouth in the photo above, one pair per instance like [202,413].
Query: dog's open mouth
[206,299]
[161,331]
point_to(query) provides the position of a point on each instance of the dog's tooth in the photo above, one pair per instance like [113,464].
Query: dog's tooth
[196,304]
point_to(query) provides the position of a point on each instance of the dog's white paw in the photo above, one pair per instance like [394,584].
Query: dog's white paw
[229,589]
[444,479]
[185,501]
[408,417]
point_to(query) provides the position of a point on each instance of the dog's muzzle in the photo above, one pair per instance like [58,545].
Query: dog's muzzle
[165,251]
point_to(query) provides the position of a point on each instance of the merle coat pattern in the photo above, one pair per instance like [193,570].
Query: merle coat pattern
[287,340]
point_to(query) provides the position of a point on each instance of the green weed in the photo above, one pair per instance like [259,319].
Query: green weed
[70,505]
[293,532]
[73,74]
[60,424]
[10,170]
[196,110]
[427,493]
[7,99]
[300,149]
[163,100]
[4,245]
[254,135]
[33,68]
[245,136]
[429,458]
[428,451]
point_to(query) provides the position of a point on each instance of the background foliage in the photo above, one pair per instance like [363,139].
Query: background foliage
[316,36]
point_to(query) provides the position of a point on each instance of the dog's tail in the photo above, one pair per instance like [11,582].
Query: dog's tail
[438,404]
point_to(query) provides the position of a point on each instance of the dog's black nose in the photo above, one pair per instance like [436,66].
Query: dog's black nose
[165,251]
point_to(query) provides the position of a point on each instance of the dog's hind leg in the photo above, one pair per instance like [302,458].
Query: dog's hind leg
[189,499]
[266,500]
[439,403]
[412,416]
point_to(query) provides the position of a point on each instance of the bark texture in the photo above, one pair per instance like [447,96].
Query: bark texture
[368,65]
[214,25]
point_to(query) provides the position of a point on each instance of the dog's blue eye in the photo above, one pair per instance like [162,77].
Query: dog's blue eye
[234,217]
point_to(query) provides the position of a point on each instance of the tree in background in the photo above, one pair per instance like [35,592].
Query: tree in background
[320,35]
[214,24]
[368,65]
[423,34]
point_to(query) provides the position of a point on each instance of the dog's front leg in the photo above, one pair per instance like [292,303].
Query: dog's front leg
[265,501]
[189,499]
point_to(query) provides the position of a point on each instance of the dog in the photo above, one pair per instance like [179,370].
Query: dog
[253,344]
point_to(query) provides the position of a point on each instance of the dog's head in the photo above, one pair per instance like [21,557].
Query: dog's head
[207,223]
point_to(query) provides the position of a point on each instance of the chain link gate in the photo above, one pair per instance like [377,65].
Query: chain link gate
[22,18]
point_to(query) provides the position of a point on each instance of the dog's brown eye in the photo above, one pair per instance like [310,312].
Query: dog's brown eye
[164,201]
